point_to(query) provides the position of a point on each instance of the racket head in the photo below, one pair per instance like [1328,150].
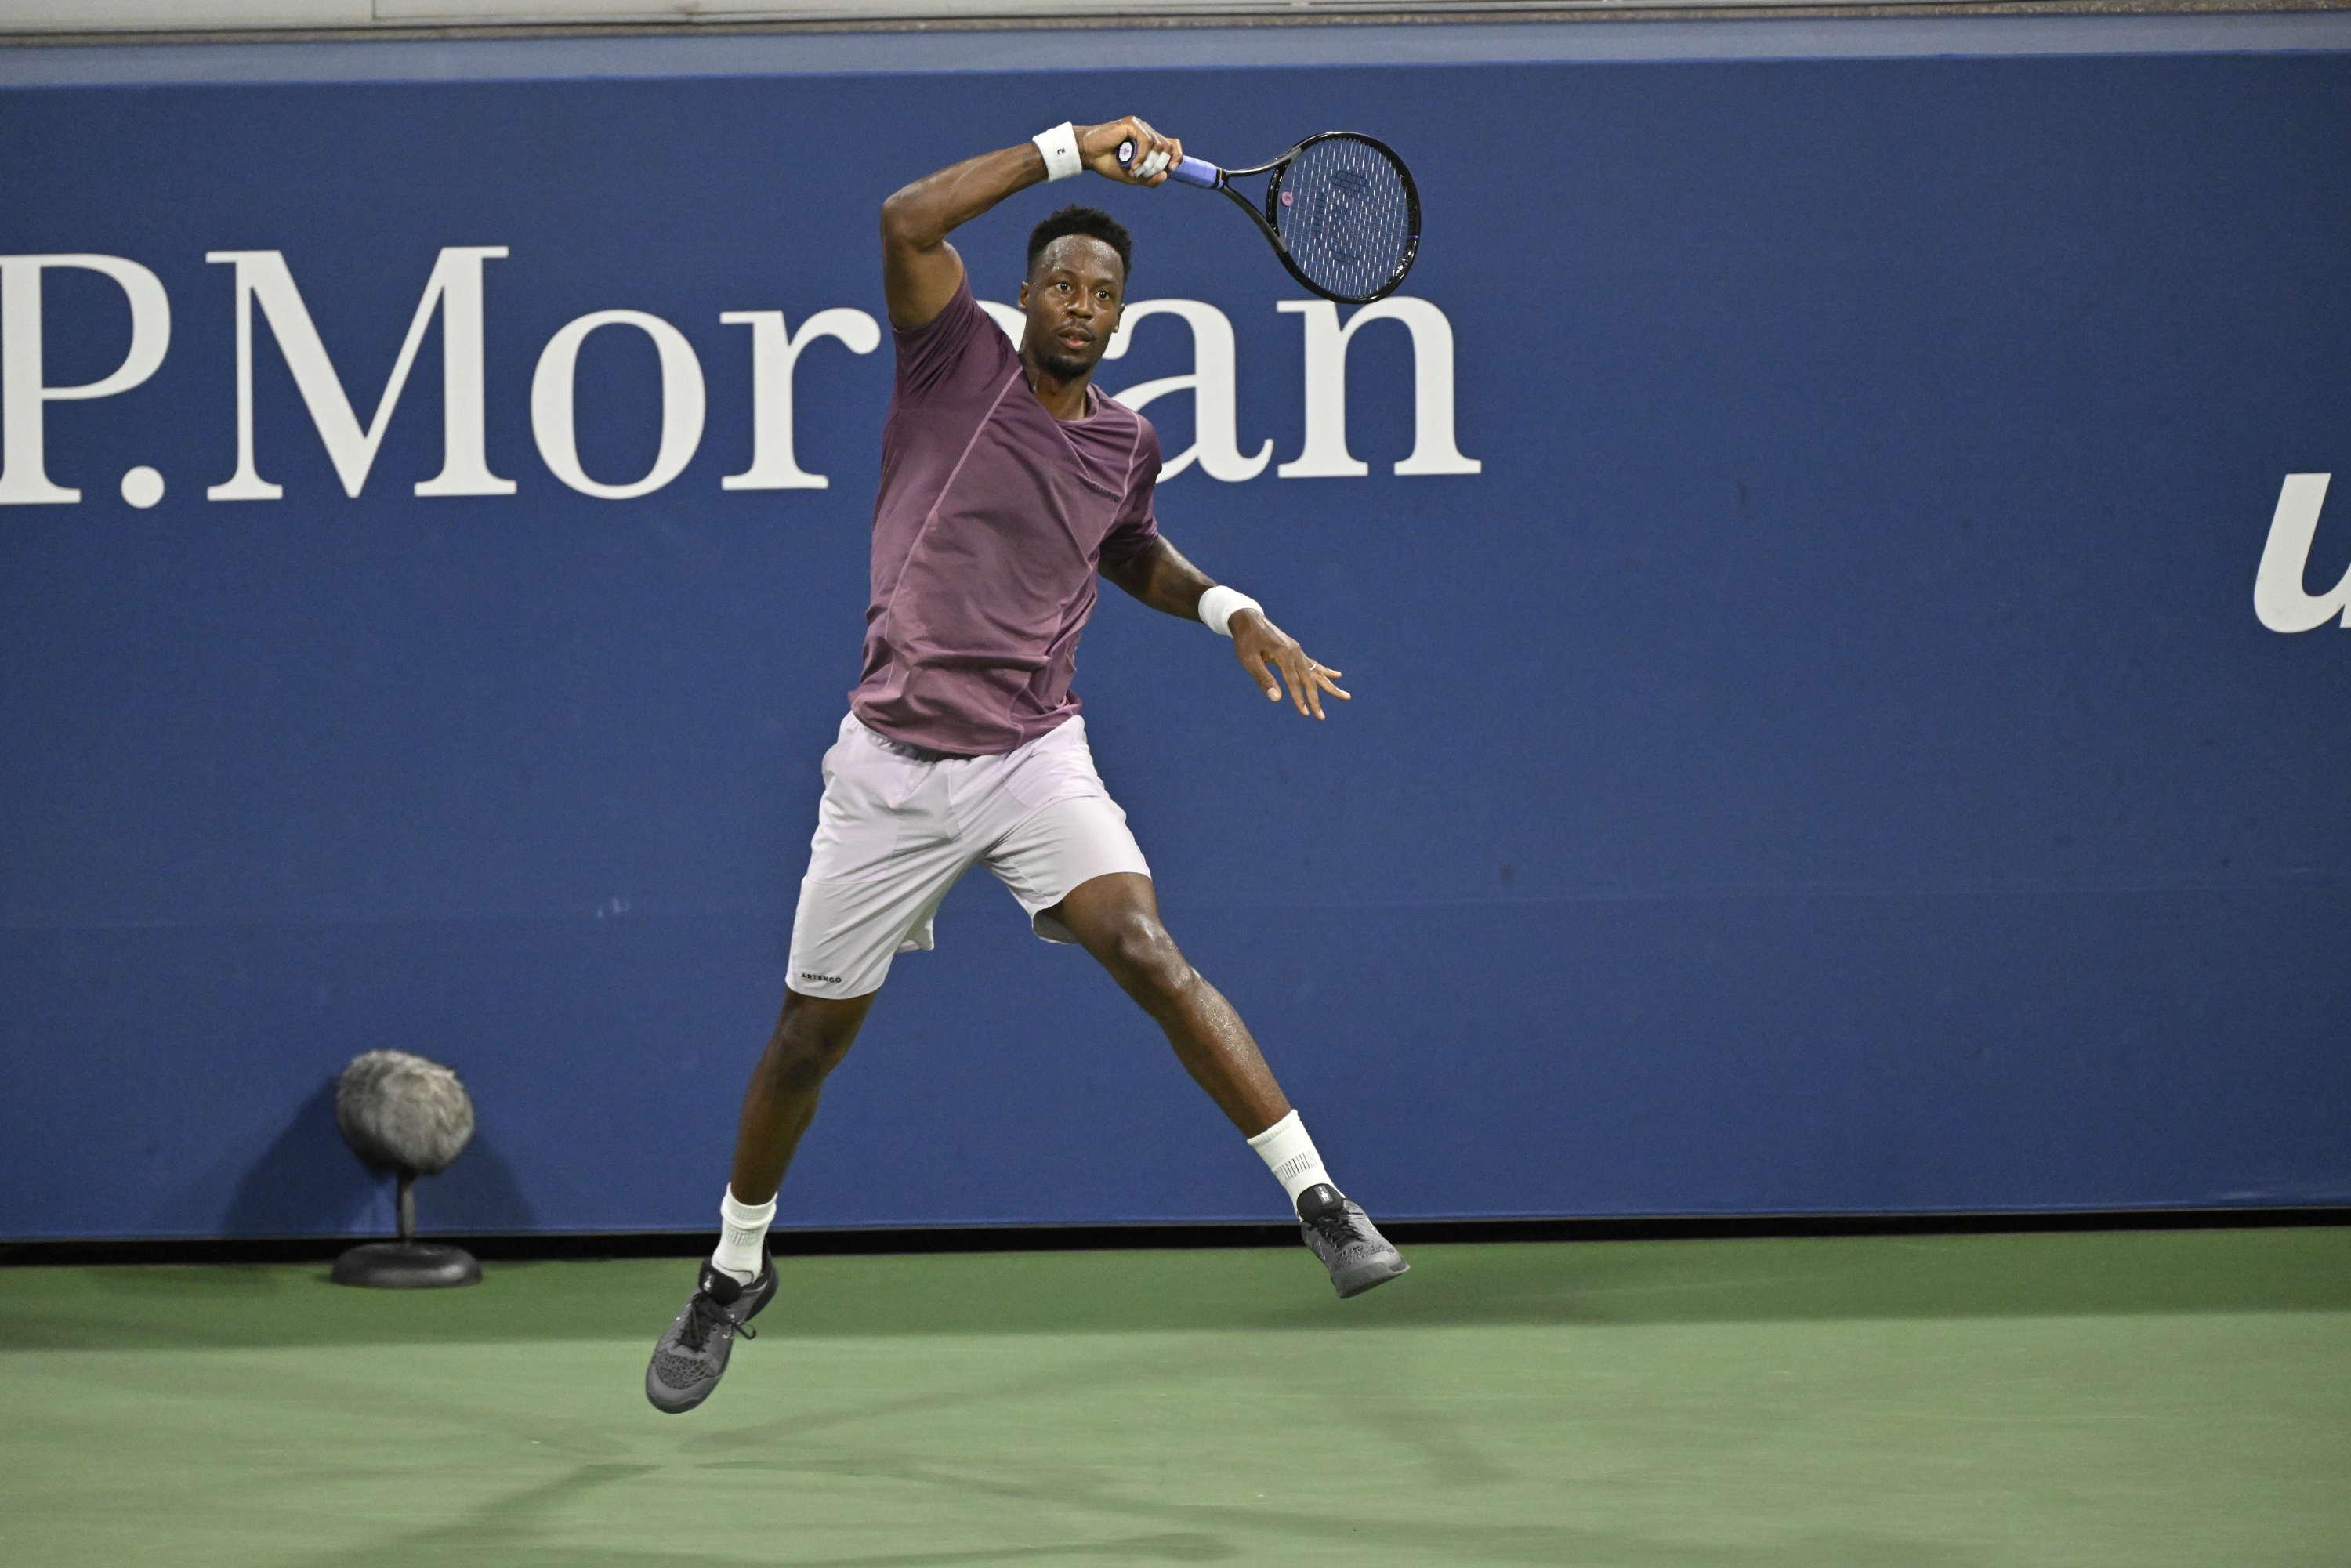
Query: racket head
[1345,216]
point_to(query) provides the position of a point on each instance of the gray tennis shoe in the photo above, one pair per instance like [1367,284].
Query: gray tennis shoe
[1343,1236]
[692,1353]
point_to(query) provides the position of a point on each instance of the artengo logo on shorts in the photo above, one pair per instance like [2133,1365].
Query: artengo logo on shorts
[266,299]
[2281,599]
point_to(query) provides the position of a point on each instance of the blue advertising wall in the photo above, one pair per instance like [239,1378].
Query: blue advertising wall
[1826,758]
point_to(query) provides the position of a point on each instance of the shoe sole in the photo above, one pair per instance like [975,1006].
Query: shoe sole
[1357,1283]
[654,1396]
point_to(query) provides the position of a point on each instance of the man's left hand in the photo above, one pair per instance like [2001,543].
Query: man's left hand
[1265,649]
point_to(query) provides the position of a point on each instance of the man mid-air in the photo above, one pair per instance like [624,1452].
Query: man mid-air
[1007,482]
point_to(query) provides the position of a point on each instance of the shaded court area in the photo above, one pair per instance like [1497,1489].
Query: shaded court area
[2124,1398]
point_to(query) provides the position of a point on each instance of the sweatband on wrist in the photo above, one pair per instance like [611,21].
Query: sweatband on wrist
[1059,146]
[1217,606]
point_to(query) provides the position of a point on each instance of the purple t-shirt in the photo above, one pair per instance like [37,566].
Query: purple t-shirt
[992,520]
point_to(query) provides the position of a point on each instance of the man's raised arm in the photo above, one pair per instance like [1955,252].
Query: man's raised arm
[920,269]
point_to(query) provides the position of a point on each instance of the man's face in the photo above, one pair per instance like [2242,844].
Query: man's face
[1072,300]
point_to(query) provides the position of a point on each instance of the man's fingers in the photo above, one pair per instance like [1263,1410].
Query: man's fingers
[1299,683]
[1154,154]
[1306,680]
[1165,151]
[1302,690]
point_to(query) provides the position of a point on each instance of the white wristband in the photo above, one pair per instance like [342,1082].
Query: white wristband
[1218,605]
[1059,146]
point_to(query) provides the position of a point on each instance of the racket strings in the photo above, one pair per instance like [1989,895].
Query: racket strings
[1346,216]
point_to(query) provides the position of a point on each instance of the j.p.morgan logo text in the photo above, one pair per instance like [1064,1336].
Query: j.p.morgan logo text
[267,299]
[2280,599]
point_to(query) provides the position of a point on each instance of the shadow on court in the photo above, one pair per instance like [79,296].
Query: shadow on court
[525,1530]
[528,1530]
[1586,1284]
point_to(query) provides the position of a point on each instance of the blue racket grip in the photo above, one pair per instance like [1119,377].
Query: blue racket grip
[1186,170]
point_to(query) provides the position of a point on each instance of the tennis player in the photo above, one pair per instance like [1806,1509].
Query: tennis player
[1008,481]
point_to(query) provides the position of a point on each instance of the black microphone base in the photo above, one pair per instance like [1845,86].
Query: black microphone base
[407,1266]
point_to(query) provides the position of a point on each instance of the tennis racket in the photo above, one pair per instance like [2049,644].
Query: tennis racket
[1340,210]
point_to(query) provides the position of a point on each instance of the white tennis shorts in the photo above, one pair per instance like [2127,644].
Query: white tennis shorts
[898,826]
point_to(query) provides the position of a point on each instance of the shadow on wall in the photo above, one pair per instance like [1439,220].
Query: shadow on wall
[479,1193]
[309,1182]
[305,1183]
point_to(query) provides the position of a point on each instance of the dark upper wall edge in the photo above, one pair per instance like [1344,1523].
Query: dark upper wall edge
[801,53]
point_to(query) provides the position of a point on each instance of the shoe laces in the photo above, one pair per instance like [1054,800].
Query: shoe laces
[704,1314]
[1337,1226]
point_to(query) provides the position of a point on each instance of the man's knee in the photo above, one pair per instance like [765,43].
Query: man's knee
[1148,964]
[811,1036]
[800,1060]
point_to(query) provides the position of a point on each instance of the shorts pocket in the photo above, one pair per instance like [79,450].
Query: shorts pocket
[1059,767]
[867,812]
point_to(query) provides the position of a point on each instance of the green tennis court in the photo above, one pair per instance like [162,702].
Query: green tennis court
[2124,1398]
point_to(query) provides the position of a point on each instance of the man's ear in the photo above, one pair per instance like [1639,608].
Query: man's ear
[1024,294]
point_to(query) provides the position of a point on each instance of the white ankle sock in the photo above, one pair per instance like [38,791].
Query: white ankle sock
[1289,1155]
[742,1236]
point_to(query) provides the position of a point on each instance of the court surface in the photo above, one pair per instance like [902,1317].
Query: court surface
[2112,1399]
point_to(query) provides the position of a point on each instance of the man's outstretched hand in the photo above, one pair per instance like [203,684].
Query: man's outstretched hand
[1264,648]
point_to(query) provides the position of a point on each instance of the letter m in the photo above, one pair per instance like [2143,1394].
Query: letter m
[454,288]
[1326,455]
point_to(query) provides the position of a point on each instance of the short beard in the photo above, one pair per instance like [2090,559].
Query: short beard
[1061,368]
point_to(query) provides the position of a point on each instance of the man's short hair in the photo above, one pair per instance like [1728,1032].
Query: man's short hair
[1092,222]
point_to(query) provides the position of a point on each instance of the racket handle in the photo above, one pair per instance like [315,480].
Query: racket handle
[1186,170]
[1197,172]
